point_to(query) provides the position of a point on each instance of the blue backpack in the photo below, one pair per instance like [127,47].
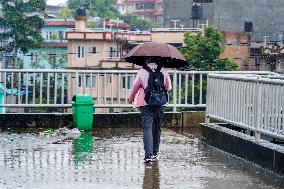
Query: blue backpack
[155,93]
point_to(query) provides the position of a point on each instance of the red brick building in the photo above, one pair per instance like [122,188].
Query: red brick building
[237,48]
[253,55]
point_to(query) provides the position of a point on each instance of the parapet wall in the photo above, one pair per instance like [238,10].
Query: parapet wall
[263,153]
[115,120]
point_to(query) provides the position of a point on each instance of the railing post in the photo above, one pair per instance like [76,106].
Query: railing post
[175,91]
[257,120]
[208,91]
[76,82]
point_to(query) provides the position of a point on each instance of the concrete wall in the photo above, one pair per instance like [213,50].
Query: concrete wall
[90,59]
[262,153]
[181,10]
[267,16]
[171,120]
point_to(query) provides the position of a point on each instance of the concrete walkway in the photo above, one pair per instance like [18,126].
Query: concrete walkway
[113,158]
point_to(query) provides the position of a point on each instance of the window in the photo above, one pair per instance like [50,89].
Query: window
[79,51]
[31,80]
[139,6]
[108,79]
[61,35]
[51,58]
[149,6]
[112,52]
[80,81]
[90,84]
[94,50]
[87,81]
[33,58]
[129,82]
[47,36]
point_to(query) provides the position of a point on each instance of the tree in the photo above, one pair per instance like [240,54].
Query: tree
[136,23]
[203,52]
[65,13]
[57,61]
[22,22]
[102,8]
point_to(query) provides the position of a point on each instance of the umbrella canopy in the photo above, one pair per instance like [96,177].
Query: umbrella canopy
[161,53]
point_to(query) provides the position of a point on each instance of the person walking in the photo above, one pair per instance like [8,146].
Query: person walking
[149,93]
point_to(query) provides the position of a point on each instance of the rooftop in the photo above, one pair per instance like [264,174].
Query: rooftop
[59,22]
[112,158]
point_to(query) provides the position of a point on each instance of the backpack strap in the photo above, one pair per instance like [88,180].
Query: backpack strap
[158,69]
[145,67]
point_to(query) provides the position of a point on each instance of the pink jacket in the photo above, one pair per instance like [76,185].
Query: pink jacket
[140,83]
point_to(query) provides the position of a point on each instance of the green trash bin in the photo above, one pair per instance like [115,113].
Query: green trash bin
[83,110]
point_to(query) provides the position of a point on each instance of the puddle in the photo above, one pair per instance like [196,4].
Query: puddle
[113,158]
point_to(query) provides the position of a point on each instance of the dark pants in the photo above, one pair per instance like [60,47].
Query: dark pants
[151,122]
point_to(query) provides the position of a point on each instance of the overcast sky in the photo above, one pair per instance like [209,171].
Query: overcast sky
[55,2]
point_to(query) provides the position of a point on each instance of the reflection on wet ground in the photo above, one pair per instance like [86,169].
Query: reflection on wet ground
[112,158]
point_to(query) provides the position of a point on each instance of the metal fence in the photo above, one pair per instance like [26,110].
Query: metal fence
[253,102]
[109,88]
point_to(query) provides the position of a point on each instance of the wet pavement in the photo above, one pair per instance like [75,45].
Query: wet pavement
[113,158]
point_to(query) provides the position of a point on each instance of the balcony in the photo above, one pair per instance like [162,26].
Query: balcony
[116,62]
[108,34]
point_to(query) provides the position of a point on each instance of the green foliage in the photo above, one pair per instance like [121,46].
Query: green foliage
[91,24]
[23,23]
[203,52]
[136,23]
[53,36]
[102,8]
[65,13]
[10,63]
[56,62]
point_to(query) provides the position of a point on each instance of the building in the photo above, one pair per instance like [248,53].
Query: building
[150,10]
[111,24]
[237,47]
[52,52]
[251,55]
[267,55]
[255,17]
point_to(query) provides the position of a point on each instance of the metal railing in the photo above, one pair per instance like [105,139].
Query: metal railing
[100,30]
[176,29]
[252,102]
[109,88]
[134,32]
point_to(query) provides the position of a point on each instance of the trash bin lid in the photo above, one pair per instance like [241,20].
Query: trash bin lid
[82,99]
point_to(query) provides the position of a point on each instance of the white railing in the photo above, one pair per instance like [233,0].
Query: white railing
[176,29]
[134,32]
[252,102]
[100,30]
[109,88]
